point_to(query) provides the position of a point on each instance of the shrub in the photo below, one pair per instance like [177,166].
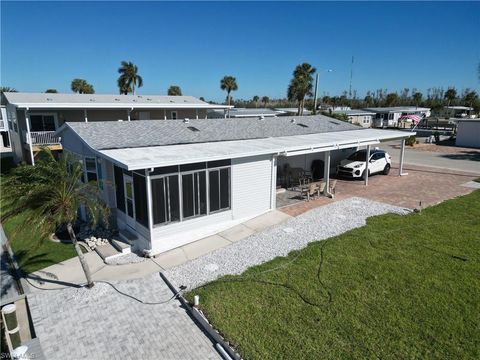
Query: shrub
[412,140]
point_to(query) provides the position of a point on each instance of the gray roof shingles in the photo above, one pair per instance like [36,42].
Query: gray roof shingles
[142,133]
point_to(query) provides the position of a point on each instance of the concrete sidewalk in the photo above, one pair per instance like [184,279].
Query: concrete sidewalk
[70,273]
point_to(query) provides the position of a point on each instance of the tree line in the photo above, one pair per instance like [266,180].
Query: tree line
[299,92]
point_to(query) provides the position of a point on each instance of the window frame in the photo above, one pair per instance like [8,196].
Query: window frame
[179,174]
[86,171]
[55,119]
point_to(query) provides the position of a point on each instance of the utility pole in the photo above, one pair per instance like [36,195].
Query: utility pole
[351,75]
[316,88]
[316,92]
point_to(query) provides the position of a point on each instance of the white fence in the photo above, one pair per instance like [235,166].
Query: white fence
[43,138]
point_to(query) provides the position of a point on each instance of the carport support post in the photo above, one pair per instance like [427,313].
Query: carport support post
[367,164]
[402,155]
[149,205]
[326,171]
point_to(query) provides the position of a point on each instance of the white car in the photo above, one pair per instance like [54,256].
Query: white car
[354,166]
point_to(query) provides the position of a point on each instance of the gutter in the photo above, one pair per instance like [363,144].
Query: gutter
[222,347]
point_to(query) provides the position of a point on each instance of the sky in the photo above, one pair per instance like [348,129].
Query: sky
[395,45]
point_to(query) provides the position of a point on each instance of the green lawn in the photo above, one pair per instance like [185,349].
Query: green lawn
[32,254]
[402,287]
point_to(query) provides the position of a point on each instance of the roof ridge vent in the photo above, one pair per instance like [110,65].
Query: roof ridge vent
[186,120]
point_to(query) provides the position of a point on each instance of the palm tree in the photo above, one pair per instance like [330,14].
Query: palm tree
[255,100]
[265,100]
[81,86]
[417,98]
[229,84]
[50,194]
[470,98]
[51,91]
[7,89]
[450,95]
[301,85]
[123,88]
[174,90]
[391,99]
[129,77]
[4,89]
[368,100]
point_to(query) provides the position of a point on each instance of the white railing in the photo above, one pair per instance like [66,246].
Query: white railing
[43,138]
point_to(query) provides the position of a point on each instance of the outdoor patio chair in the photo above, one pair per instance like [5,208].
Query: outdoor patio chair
[310,191]
[333,184]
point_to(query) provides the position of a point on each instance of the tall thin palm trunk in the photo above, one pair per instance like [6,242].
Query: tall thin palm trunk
[81,257]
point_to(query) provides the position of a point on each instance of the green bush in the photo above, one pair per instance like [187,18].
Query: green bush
[411,140]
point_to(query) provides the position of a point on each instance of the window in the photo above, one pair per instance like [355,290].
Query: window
[99,173]
[140,191]
[165,199]
[42,123]
[174,115]
[219,189]
[194,194]
[191,190]
[120,196]
[90,169]
[129,196]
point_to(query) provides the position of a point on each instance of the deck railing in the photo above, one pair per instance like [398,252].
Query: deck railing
[44,138]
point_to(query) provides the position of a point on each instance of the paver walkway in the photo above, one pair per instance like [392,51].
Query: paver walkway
[100,323]
[426,185]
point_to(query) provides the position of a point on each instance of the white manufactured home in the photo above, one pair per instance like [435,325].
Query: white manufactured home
[389,117]
[169,183]
[33,118]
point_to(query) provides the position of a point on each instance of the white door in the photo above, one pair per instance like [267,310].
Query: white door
[129,200]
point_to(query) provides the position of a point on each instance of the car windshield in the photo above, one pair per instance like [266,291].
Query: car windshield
[358,156]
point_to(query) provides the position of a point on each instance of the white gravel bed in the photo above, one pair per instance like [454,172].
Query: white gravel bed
[317,224]
[131,258]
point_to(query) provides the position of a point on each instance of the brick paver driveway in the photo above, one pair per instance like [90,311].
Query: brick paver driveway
[422,184]
[101,323]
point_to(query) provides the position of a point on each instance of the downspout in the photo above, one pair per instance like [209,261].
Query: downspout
[29,136]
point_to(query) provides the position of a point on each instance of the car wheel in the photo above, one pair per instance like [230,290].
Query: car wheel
[363,174]
[386,169]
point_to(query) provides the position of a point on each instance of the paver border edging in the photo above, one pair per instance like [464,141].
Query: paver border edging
[204,324]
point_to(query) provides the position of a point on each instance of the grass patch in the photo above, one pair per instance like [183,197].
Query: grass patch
[33,254]
[402,287]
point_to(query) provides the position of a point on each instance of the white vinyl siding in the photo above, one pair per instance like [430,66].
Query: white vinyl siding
[251,186]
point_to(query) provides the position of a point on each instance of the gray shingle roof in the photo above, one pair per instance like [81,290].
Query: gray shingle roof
[141,133]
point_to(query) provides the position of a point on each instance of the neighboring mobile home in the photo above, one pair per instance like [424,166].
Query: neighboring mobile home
[390,116]
[33,118]
[170,183]
[358,117]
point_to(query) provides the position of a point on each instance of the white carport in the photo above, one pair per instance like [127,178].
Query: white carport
[160,156]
